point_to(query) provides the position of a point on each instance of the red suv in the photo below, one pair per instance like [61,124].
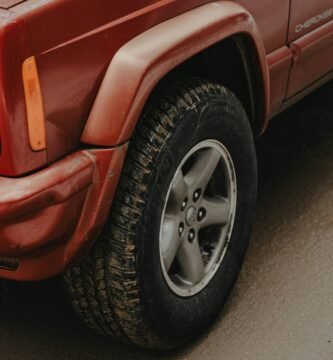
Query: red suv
[127,157]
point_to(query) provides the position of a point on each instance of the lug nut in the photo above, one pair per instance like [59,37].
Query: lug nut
[202,214]
[191,236]
[184,204]
[181,229]
[196,195]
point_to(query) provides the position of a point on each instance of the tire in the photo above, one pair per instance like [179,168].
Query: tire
[125,288]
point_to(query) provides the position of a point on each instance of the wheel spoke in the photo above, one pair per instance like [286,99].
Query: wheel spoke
[171,240]
[178,191]
[191,262]
[203,169]
[217,212]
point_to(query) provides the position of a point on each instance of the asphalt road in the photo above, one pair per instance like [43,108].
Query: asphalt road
[282,306]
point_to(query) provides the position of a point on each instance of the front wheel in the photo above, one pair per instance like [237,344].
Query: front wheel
[180,223]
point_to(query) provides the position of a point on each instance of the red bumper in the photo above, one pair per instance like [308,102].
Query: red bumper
[50,219]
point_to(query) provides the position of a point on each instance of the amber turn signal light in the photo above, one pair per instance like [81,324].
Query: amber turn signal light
[34,105]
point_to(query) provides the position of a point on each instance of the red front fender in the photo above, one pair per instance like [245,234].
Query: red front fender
[140,64]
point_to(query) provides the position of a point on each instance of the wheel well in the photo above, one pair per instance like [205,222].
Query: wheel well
[234,64]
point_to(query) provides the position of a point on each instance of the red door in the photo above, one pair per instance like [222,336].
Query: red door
[311,40]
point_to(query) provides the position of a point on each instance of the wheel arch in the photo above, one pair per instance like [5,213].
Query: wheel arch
[176,44]
[231,62]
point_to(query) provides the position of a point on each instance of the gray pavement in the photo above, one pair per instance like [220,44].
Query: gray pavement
[282,306]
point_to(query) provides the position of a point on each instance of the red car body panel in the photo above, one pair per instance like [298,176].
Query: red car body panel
[144,60]
[50,219]
[98,63]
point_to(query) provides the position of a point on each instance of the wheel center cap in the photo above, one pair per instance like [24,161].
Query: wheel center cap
[191,215]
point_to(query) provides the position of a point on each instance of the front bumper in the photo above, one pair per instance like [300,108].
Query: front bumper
[50,219]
